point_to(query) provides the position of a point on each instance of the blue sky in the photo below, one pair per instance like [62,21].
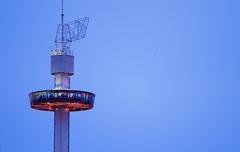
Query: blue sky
[165,73]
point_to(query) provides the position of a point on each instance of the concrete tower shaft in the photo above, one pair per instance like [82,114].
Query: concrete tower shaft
[62,66]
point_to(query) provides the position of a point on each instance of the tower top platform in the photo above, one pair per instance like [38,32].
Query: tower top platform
[69,100]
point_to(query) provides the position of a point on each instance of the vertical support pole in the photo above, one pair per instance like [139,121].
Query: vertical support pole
[61,117]
[61,131]
[62,22]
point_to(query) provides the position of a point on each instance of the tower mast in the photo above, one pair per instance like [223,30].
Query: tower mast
[62,100]
[62,22]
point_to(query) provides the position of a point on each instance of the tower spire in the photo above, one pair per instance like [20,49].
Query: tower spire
[62,22]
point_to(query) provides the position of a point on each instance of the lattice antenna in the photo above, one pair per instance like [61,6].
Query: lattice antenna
[69,32]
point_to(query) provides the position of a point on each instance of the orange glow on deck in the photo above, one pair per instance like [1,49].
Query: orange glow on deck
[69,100]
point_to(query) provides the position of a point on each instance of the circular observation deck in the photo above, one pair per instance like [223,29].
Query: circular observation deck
[70,100]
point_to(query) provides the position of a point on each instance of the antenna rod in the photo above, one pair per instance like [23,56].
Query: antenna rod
[62,15]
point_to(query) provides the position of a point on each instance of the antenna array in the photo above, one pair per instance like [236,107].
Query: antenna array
[69,32]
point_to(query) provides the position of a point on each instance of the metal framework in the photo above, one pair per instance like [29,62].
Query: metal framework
[67,33]
[72,31]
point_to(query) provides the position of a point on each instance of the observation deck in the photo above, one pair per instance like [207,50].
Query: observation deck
[69,100]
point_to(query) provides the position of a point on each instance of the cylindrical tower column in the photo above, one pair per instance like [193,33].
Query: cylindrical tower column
[61,117]
[62,66]
[61,131]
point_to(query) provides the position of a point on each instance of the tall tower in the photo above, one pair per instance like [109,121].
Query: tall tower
[62,100]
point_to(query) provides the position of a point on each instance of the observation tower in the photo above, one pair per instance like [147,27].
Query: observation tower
[62,100]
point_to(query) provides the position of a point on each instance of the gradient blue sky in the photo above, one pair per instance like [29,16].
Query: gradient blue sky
[165,72]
